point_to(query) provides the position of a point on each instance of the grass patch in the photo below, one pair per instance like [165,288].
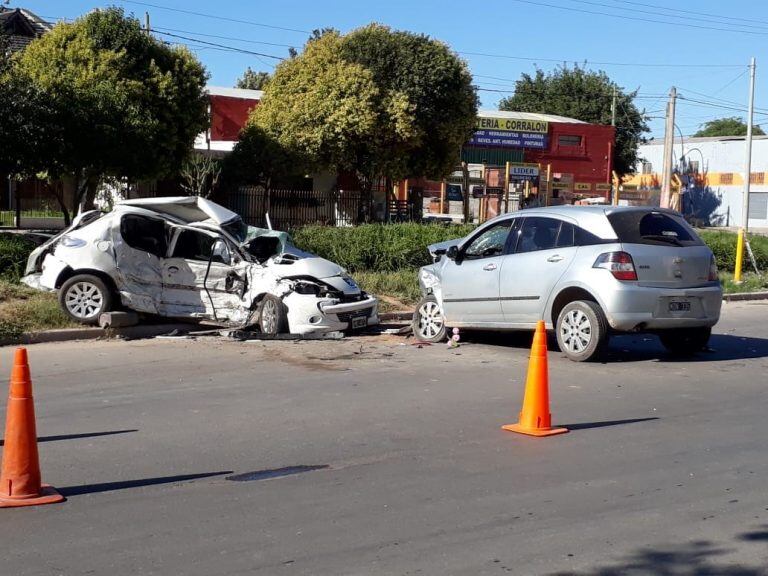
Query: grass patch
[23,309]
[395,290]
[751,282]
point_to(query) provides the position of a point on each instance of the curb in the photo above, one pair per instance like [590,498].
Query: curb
[745,296]
[130,333]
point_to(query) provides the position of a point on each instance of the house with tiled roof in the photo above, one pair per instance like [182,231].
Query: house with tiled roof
[22,26]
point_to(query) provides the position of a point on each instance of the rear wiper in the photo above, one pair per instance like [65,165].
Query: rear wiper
[662,238]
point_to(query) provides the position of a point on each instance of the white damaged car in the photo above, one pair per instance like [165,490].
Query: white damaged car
[187,257]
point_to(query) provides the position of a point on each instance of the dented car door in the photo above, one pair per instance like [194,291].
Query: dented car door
[190,288]
[139,243]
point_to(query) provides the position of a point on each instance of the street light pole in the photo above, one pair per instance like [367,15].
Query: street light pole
[747,177]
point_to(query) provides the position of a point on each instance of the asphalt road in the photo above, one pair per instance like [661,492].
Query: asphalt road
[372,456]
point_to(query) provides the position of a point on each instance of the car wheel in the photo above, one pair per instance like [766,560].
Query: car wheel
[685,341]
[85,297]
[273,317]
[428,321]
[582,330]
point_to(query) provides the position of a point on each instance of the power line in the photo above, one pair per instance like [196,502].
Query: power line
[155,28]
[231,48]
[636,18]
[697,12]
[565,60]
[215,16]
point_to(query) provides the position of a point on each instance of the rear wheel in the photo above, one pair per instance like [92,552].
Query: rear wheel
[582,330]
[428,321]
[685,341]
[85,297]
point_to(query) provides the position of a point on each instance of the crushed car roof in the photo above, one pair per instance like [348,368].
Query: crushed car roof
[187,208]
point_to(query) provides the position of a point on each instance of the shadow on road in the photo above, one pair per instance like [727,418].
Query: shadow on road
[77,436]
[694,559]
[605,423]
[125,484]
[637,347]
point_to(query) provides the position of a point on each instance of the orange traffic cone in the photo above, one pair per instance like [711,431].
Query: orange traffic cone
[535,419]
[20,476]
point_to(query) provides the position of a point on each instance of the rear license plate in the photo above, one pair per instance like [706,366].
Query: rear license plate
[360,322]
[680,306]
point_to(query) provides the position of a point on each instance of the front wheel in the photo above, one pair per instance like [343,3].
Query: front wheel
[85,297]
[428,321]
[582,330]
[273,318]
[685,341]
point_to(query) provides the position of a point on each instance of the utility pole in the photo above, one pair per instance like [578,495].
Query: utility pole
[669,141]
[613,108]
[740,241]
[147,29]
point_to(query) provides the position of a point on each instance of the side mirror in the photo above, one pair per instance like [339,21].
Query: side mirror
[453,253]
[220,252]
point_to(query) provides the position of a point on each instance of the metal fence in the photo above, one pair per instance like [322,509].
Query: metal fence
[289,209]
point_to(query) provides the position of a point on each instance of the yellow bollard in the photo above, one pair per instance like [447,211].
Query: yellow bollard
[739,256]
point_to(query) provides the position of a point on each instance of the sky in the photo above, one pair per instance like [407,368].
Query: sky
[702,47]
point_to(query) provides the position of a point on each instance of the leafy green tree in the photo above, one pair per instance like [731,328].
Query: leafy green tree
[251,80]
[587,96]
[733,126]
[124,104]
[380,103]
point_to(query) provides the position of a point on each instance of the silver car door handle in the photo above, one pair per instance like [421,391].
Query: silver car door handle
[555,258]
[489,267]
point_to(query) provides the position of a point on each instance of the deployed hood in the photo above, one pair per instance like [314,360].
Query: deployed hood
[307,266]
[187,208]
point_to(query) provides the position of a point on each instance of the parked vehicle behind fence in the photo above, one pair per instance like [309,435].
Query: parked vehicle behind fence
[187,257]
[587,271]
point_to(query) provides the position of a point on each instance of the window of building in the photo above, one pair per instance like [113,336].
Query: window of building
[647,168]
[569,140]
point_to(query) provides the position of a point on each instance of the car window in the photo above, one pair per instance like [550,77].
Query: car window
[145,234]
[489,243]
[565,239]
[538,233]
[194,245]
[657,228]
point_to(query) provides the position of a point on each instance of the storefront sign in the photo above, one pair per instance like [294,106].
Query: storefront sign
[512,125]
[583,186]
[602,187]
[509,139]
[523,170]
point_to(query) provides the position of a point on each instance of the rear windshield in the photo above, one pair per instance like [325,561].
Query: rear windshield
[657,228]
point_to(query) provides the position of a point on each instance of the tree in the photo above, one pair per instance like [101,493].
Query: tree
[200,174]
[259,160]
[587,96]
[251,80]
[733,126]
[376,102]
[124,104]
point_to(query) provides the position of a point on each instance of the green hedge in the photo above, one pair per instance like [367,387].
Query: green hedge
[723,246]
[377,247]
[14,251]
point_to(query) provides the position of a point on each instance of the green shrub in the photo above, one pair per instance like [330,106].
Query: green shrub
[377,247]
[723,246]
[14,251]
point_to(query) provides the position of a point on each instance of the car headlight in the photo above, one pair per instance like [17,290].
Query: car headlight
[69,242]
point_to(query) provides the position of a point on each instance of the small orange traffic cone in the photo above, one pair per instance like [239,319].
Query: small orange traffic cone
[535,419]
[20,477]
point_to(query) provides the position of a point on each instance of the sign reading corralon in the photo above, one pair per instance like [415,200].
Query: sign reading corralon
[512,124]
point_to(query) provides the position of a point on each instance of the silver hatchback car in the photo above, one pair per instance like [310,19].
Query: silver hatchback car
[586,271]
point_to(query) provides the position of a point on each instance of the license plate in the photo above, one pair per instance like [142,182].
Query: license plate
[360,322]
[680,306]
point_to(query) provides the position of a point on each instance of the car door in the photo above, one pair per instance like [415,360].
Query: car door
[139,243]
[190,288]
[542,253]
[470,283]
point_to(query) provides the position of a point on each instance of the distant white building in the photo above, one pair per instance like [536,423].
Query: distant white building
[712,174]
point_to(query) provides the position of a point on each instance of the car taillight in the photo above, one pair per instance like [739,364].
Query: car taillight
[617,263]
[713,270]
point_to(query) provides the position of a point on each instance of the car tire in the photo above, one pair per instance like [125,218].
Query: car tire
[428,322]
[582,331]
[273,316]
[685,341]
[85,297]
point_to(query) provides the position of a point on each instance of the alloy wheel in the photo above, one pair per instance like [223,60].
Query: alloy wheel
[430,320]
[84,300]
[576,331]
